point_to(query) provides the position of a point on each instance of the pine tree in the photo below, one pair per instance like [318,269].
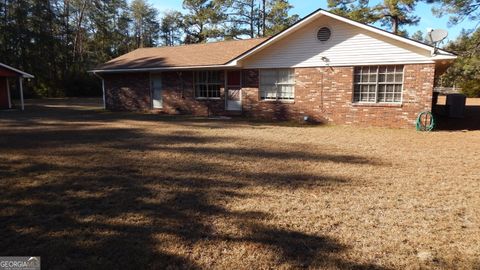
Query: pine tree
[397,13]
[204,19]
[170,28]
[277,17]
[146,28]
[358,10]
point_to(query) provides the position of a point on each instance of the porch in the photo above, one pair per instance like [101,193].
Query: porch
[9,74]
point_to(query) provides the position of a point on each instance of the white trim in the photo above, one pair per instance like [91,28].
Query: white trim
[8,93]
[350,65]
[321,12]
[163,69]
[377,83]
[103,94]
[20,81]
[103,90]
[24,74]
[239,88]
[152,77]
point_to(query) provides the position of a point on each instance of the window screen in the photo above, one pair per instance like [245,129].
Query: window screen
[378,84]
[208,84]
[277,84]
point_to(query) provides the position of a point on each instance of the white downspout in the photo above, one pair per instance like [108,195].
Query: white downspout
[8,94]
[103,89]
[20,80]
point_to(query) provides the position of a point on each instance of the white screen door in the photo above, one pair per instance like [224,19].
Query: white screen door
[234,90]
[157,91]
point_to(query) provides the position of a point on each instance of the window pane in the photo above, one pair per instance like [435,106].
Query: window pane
[381,77]
[268,92]
[285,76]
[214,91]
[398,77]
[277,84]
[285,92]
[268,76]
[381,93]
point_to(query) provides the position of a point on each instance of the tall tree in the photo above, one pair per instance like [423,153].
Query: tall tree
[146,27]
[458,9]
[358,10]
[397,13]
[465,71]
[277,16]
[170,28]
[244,18]
[419,36]
[203,19]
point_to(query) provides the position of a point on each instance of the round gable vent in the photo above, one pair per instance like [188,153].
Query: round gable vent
[324,34]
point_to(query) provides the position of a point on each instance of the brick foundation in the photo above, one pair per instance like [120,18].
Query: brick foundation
[323,94]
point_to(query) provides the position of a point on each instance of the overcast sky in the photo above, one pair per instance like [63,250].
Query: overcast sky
[303,8]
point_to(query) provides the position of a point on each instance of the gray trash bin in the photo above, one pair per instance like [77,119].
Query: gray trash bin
[456,105]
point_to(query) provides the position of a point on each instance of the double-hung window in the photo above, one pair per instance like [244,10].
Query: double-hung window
[277,84]
[378,84]
[208,84]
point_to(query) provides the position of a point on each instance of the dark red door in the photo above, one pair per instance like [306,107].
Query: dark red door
[3,94]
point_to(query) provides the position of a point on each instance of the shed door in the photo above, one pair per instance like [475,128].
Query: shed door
[157,91]
[3,93]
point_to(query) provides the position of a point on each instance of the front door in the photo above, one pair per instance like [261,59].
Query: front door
[157,91]
[234,90]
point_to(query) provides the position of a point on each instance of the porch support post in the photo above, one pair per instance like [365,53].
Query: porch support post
[8,94]
[103,89]
[20,81]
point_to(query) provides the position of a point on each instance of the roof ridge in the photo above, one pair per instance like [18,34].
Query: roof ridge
[202,44]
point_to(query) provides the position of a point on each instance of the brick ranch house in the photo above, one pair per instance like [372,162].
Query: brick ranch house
[324,67]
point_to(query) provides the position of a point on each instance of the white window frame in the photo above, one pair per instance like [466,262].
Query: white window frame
[377,83]
[207,84]
[278,96]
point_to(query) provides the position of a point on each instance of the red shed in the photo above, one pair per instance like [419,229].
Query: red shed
[9,73]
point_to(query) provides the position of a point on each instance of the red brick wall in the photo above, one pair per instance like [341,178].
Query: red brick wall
[322,94]
[179,96]
[128,91]
[325,95]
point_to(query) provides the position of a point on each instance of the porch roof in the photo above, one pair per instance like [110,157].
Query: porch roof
[184,56]
[8,71]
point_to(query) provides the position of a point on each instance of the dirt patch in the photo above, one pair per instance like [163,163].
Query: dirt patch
[89,189]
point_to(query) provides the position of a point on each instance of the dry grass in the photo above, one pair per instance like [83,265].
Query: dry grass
[91,190]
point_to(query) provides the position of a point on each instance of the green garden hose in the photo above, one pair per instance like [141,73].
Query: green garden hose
[425,121]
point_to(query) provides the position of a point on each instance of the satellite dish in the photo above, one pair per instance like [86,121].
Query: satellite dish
[435,36]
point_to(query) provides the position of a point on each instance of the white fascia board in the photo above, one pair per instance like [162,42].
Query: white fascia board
[24,74]
[162,69]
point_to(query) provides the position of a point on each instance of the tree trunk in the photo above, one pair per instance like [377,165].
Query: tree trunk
[78,30]
[395,25]
[264,17]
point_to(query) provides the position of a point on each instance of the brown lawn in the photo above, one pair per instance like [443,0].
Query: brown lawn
[87,189]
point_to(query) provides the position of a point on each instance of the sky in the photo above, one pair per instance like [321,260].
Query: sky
[305,7]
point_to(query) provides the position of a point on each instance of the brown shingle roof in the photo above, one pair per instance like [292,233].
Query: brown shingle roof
[205,54]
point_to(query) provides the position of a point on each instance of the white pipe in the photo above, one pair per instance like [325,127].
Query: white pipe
[8,94]
[103,89]
[21,93]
